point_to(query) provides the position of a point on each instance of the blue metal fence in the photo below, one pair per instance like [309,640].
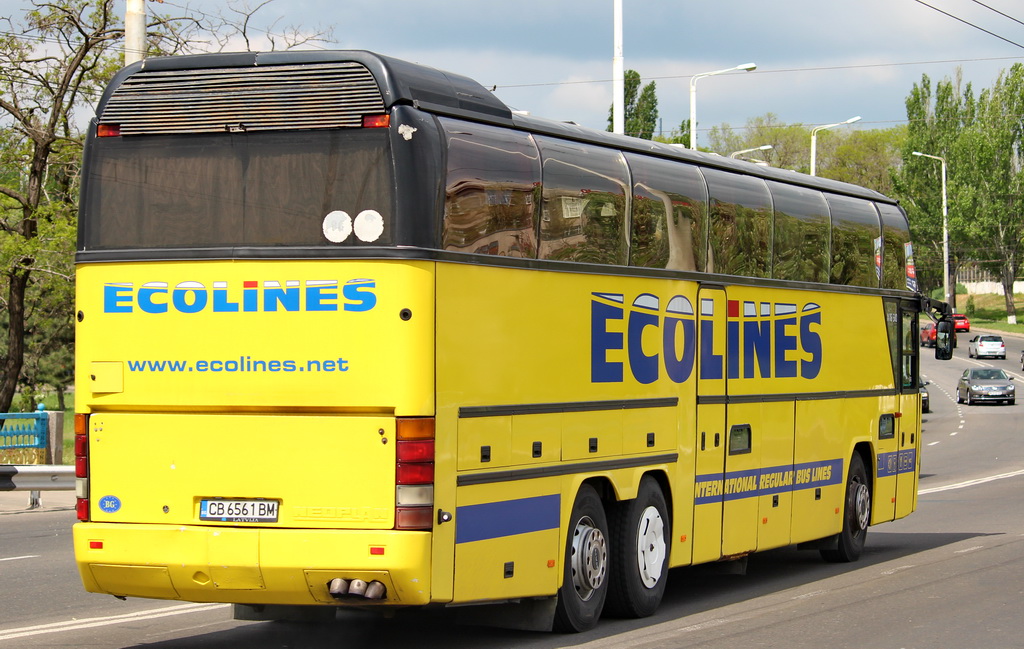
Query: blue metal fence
[24,429]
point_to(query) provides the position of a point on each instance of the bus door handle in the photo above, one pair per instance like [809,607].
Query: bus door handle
[702,436]
[718,439]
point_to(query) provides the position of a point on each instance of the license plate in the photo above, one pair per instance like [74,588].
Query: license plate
[238,510]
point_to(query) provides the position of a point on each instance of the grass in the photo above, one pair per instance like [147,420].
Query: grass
[990,312]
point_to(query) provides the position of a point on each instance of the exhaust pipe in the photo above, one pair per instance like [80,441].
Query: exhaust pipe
[341,589]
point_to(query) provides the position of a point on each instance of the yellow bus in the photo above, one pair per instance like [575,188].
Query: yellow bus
[351,333]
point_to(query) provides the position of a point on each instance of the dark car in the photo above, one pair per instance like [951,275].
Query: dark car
[961,323]
[928,334]
[925,400]
[985,384]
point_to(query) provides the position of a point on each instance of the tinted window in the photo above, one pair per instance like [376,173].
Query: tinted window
[855,233]
[896,236]
[492,184]
[584,203]
[802,235]
[740,232]
[669,214]
[261,189]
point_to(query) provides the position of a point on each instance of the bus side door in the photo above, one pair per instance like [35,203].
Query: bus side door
[908,427]
[711,421]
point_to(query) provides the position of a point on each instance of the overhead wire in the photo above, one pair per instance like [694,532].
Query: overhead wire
[969,23]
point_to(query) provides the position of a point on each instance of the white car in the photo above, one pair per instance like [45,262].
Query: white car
[986,345]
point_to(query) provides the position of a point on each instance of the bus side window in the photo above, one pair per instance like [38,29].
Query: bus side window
[662,188]
[896,236]
[855,228]
[491,187]
[583,213]
[740,231]
[801,233]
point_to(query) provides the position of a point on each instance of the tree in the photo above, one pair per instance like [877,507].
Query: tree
[982,139]
[990,182]
[55,59]
[641,109]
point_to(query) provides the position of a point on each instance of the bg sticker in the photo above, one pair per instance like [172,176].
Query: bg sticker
[110,504]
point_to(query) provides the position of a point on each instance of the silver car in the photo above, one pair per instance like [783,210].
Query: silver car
[986,345]
[985,384]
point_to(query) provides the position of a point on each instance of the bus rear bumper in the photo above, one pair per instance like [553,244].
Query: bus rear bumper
[251,565]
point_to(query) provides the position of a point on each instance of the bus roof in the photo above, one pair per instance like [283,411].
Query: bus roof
[446,93]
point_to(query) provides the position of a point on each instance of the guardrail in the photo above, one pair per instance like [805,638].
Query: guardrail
[37,477]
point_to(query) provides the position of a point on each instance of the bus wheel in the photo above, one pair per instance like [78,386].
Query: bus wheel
[585,573]
[640,531]
[856,517]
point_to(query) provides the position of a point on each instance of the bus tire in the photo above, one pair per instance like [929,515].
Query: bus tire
[856,516]
[640,530]
[585,571]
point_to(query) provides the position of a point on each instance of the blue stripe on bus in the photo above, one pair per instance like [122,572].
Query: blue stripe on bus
[890,464]
[507,518]
[736,485]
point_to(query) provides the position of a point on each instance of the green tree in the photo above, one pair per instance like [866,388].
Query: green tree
[936,121]
[641,107]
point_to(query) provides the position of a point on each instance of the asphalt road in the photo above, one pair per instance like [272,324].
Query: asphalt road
[950,575]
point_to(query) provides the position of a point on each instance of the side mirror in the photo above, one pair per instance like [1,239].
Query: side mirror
[944,337]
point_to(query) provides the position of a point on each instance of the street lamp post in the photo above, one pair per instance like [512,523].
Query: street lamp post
[945,227]
[693,96]
[763,147]
[814,138]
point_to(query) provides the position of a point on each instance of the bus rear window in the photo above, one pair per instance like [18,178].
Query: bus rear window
[257,189]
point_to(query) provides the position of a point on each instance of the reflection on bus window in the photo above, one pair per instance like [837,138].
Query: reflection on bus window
[490,194]
[662,188]
[802,233]
[854,230]
[896,234]
[584,203]
[740,232]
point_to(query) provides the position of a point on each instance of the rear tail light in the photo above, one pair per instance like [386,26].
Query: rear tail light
[414,473]
[82,466]
[108,130]
[376,121]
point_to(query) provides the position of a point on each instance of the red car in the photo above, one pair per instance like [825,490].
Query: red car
[961,323]
[928,335]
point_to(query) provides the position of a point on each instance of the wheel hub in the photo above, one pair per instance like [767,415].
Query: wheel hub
[650,546]
[861,505]
[589,558]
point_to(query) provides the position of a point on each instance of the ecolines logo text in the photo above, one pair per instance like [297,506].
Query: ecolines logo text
[246,297]
[762,339]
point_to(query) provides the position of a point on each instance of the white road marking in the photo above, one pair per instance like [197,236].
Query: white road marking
[970,483]
[88,623]
[27,556]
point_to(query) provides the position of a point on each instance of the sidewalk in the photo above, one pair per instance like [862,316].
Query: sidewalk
[16,502]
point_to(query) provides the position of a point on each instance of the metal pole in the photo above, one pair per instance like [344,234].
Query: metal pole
[814,140]
[693,96]
[945,235]
[134,31]
[945,228]
[618,75]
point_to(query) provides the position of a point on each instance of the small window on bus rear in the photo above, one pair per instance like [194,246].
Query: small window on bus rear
[740,231]
[801,233]
[670,206]
[855,230]
[583,215]
[492,188]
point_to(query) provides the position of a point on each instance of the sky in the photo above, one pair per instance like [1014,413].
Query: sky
[818,61]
